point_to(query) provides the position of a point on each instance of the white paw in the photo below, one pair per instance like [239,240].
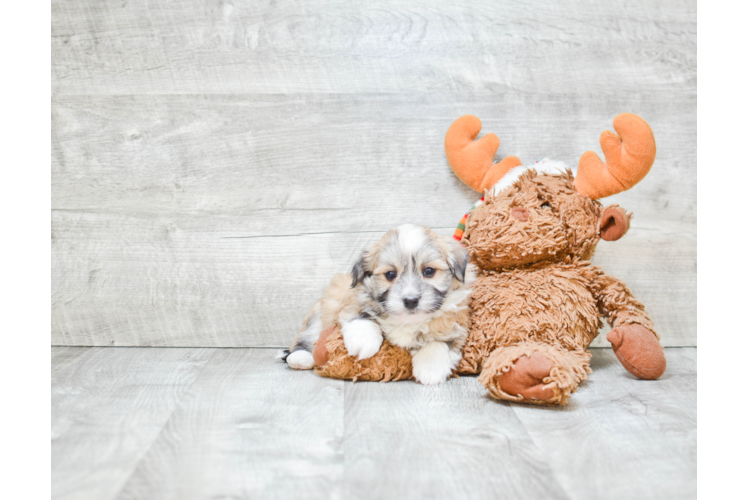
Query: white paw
[362,338]
[300,360]
[434,363]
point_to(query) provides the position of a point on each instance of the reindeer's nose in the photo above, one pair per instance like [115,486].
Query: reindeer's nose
[521,214]
[411,303]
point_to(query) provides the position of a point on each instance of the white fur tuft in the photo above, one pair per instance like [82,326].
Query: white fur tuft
[411,237]
[545,166]
[362,338]
[433,363]
[300,360]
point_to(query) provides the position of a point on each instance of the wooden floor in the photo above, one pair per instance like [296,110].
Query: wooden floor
[212,423]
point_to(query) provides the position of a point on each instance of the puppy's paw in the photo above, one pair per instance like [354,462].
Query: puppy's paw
[300,360]
[433,363]
[362,338]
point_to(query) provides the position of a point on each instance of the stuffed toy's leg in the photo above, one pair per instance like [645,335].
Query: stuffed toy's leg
[332,360]
[534,372]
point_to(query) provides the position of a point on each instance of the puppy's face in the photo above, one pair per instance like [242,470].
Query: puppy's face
[409,272]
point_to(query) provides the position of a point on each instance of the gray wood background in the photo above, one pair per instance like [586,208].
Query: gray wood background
[213,163]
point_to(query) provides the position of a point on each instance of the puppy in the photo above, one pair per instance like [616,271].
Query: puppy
[412,287]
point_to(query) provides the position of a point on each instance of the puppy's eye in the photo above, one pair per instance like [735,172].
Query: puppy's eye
[390,275]
[429,272]
[545,205]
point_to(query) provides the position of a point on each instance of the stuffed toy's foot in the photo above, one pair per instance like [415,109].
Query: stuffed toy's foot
[526,377]
[332,359]
[638,350]
[320,348]
[531,372]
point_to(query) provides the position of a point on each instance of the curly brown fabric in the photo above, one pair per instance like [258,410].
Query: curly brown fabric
[549,304]
[568,369]
[389,364]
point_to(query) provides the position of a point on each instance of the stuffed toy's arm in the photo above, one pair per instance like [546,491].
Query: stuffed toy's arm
[633,338]
[617,304]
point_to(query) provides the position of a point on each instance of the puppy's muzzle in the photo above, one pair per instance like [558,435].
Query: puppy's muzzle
[410,303]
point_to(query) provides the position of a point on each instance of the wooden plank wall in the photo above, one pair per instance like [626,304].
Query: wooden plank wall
[214,163]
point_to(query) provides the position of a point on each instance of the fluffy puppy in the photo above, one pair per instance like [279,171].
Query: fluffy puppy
[412,287]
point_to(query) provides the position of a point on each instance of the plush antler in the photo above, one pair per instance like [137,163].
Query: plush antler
[628,157]
[472,161]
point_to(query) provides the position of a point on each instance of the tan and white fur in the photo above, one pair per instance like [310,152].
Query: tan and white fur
[412,287]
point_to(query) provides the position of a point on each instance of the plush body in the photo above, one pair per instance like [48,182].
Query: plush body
[537,302]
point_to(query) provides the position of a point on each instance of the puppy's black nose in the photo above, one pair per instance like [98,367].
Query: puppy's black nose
[411,303]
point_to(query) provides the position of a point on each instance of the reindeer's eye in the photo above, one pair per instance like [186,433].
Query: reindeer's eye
[545,205]
[429,272]
[390,275]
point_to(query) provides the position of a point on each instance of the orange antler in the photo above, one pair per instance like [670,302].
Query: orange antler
[628,157]
[472,161]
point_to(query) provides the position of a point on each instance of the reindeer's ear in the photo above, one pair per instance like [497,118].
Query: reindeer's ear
[613,223]
[360,271]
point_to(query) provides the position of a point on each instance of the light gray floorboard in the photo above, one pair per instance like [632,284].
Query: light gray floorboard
[449,441]
[63,357]
[287,46]
[108,406]
[235,423]
[621,437]
[248,428]
[217,221]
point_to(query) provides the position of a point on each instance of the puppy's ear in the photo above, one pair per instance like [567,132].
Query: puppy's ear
[360,271]
[457,260]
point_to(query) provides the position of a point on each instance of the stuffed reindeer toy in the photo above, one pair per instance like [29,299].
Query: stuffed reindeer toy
[537,302]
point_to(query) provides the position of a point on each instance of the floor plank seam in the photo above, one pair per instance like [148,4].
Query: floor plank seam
[548,464]
[177,406]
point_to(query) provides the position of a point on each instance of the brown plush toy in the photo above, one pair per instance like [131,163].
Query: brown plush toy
[537,303]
